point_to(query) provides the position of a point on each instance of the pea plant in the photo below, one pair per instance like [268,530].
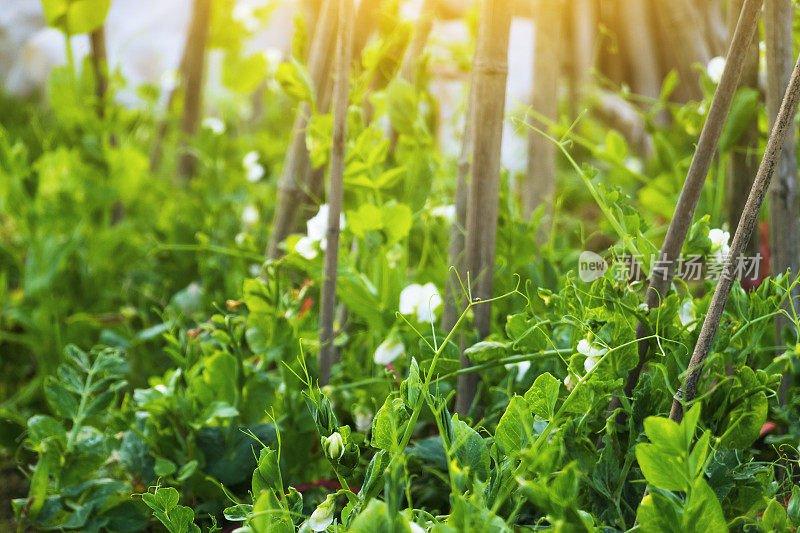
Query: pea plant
[315,288]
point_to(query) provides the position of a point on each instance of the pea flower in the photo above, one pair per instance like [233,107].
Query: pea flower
[570,381]
[322,516]
[447,212]
[363,418]
[593,354]
[687,315]
[522,368]
[715,68]
[421,300]
[388,351]
[214,124]
[252,167]
[250,215]
[719,244]
[333,446]
[316,228]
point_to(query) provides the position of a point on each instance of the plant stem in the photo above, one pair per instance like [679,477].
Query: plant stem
[344,52]
[769,163]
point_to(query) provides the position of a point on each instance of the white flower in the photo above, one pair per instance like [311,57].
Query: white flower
[214,124]
[634,164]
[388,351]
[244,14]
[305,247]
[715,68]
[687,315]
[719,244]
[421,300]
[250,215]
[251,166]
[161,388]
[240,239]
[570,381]
[363,418]
[592,353]
[522,368]
[317,225]
[322,516]
[447,212]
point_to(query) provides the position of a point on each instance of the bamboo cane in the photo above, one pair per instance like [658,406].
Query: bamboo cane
[784,122]
[784,208]
[663,270]
[490,70]
[340,101]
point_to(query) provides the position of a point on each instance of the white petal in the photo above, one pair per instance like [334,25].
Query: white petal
[388,351]
[590,363]
[410,298]
[584,347]
[255,173]
[214,124]
[522,368]
[250,215]
[305,247]
[250,159]
[715,68]
[447,212]
[322,516]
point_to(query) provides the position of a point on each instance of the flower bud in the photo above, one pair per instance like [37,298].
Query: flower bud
[333,446]
[322,516]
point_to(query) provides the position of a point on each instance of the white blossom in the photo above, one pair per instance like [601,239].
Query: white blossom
[250,215]
[593,354]
[252,168]
[719,244]
[447,212]
[333,446]
[363,418]
[522,368]
[687,315]
[214,124]
[244,14]
[570,381]
[305,247]
[388,351]
[421,300]
[322,516]
[317,225]
[715,67]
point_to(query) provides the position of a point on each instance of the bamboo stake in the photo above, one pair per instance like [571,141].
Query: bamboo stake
[540,183]
[663,270]
[638,39]
[297,163]
[775,143]
[99,57]
[784,211]
[490,69]
[344,51]
[455,252]
[743,163]
[193,81]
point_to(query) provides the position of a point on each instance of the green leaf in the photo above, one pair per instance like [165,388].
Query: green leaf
[366,218]
[515,427]
[666,434]
[267,475]
[526,333]
[793,509]
[661,469]
[293,79]
[703,512]
[485,351]
[61,401]
[75,16]
[469,449]
[164,467]
[389,424]
[397,219]
[401,105]
[743,112]
[774,517]
[543,395]
[744,422]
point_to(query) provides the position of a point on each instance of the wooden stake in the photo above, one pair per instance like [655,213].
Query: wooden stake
[99,57]
[540,184]
[490,69]
[344,52]
[195,57]
[297,163]
[743,163]
[770,162]
[784,211]
[662,272]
